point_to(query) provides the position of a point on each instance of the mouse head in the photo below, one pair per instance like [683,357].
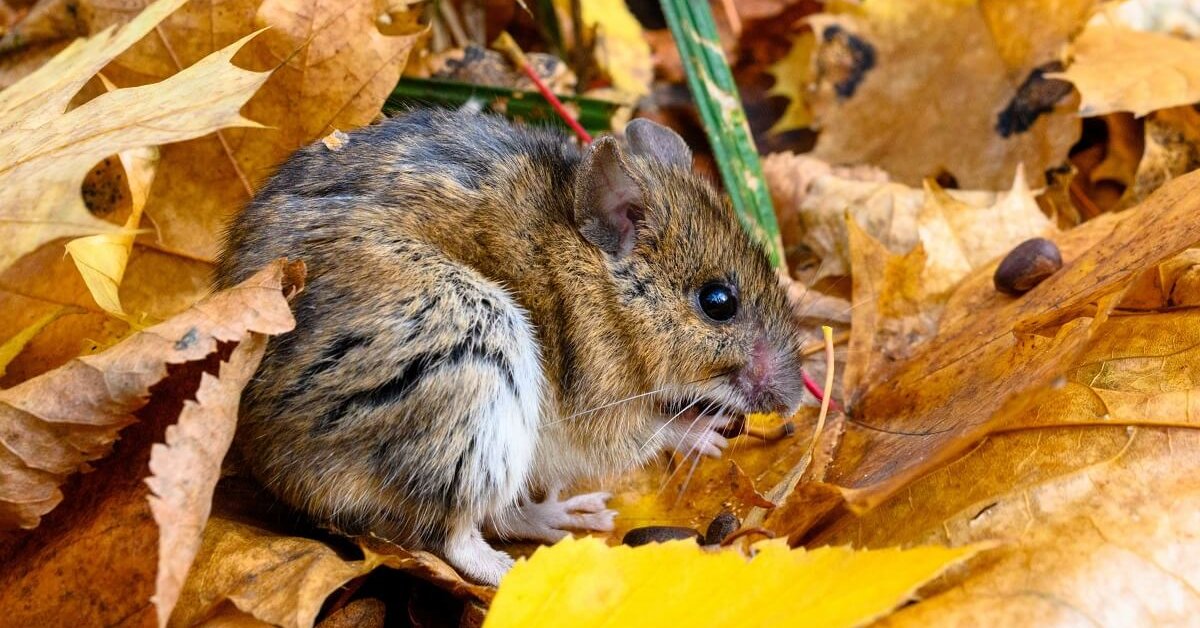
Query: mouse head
[710,324]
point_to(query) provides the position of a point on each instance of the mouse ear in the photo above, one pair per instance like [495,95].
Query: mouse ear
[655,141]
[610,205]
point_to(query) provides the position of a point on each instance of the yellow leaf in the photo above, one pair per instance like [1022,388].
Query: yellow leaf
[792,75]
[47,153]
[1119,69]
[583,582]
[101,258]
[621,47]
[13,346]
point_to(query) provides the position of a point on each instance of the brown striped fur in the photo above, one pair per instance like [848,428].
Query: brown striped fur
[461,323]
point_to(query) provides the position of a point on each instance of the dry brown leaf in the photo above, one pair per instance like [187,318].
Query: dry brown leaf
[1172,148]
[997,362]
[897,314]
[1139,369]
[94,559]
[156,283]
[682,492]
[284,580]
[53,424]
[960,230]
[47,152]
[185,468]
[1119,69]
[335,69]
[943,87]
[1097,525]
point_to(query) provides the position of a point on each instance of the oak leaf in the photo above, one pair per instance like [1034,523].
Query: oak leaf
[48,152]
[331,68]
[54,424]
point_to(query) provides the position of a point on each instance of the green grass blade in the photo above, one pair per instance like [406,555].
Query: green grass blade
[716,95]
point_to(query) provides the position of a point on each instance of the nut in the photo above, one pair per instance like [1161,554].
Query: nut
[722,526]
[1027,265]
[658,534]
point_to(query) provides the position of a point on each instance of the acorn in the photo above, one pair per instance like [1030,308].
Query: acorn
[658,534]
[1027,265]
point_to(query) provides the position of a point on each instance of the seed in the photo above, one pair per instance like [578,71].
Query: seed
[1027,265]
[722,526]
[658,534]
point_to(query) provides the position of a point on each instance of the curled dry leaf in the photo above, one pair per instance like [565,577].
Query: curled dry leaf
[52,425]
[679,583]
[960,230]
[331,68]
[246,570]
[979,65]
[1119,69]
[974,378]
[48,152]
[1095,525]
[186,466]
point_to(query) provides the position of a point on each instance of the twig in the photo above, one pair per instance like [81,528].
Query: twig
[505,44]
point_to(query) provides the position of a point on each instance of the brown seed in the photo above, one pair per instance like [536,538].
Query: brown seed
[1027,265]
[722,526]
[658,534]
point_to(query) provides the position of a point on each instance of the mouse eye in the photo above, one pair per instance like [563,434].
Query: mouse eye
[718,301]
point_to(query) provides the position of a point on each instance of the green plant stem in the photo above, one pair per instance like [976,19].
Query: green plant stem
[716,94]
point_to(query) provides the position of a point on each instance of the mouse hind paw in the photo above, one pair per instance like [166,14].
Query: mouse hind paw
[475,559]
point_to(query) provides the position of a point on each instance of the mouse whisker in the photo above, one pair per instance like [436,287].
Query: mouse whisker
[639,396]
[665,424]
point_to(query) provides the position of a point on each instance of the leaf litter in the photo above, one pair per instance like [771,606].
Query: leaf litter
[1033,448]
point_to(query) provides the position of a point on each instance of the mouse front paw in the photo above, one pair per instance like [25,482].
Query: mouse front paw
[699,438]
[551,519]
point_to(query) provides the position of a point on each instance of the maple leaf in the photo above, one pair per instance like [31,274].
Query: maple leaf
[946,87]
[47,153]
[1120,69]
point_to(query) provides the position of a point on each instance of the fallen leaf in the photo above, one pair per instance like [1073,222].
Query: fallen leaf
[53,424]
[582,582]
[621,50]
[1095,524]
[979,65]
[157,284]
[48,152]
[1120,69]
[792,75]
[101,259]
[15,344]
[963,384]
[284,580]
[960,230]
[331,69]
[185,468]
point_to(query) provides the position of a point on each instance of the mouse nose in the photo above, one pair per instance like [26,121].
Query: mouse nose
[770,380]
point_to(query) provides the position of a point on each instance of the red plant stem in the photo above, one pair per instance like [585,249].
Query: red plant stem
[815,388]
[509,48]
[557,104]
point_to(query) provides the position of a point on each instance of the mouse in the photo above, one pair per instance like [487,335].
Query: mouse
[492,314]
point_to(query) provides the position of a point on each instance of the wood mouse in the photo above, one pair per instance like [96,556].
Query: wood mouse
[493,313]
